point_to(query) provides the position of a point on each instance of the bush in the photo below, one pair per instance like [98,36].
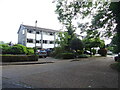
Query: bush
[30,51]
[18,58]
[76,44]
[19,49]
[6,49]
[67,55]
[80,52]
[93,51]
[57,51]
[83,56]
[102,52]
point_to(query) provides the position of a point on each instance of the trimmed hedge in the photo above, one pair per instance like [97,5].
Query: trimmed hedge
[68,55]
[18,58]
[83,56]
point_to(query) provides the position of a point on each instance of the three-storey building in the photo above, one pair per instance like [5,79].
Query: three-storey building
[31,36]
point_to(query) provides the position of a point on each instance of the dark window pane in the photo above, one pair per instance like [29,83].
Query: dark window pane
[30,40]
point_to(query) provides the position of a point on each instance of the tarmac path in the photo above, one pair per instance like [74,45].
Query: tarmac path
[92,72]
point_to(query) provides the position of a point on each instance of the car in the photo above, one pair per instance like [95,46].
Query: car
[117,58]
[42,53]
[109,53]
[87,52]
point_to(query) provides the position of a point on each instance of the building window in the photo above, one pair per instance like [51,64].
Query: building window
[51,33]
[51,42]
[30,31]
[37,32]
[45,41]
[30,40]
[37,41]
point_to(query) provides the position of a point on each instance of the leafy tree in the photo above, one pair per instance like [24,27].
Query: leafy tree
[63,40]
[92,43]
[76,44]
[115,7]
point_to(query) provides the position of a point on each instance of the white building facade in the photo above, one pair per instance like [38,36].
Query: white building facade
[30,36]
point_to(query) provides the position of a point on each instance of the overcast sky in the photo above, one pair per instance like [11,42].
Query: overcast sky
[15,12]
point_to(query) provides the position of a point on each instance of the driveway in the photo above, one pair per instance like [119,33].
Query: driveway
[92,72]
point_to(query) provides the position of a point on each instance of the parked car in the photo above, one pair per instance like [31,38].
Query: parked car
[87,52]
[42,53]
[48,51]
[109,53]
[117,58]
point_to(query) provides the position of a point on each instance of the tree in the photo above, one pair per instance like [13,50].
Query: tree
[104,15]
[115,7]
[76,44]
[92,43]
[63,40]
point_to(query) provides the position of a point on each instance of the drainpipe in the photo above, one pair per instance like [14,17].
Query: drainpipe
[35,36]
[41,39]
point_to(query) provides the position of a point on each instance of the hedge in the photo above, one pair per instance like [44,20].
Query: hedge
[68,55]
[82,56]
[18,58]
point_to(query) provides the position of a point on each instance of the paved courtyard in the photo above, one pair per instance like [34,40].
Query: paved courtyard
[92,72]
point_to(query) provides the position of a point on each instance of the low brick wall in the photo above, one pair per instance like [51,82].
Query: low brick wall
[18,58]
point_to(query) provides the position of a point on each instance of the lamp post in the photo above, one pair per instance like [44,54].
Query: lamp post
[35,35]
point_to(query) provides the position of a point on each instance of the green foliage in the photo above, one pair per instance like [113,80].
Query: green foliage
[30,51]
[19,49]
[15,49]
[57,51]
[76,44]
[18,58]
[90,43]
[80,52]
[67,55]
[93,51]
[82,56]
[102,52]
[116,43]
[5,48]
[63,39]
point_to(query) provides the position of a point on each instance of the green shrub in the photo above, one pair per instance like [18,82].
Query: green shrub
[93,51]
[18,58]
[83,56]
[102,52]
[76,44]
[56,52]
[6,49]
[67,55]
[80,52]
[19,49]
[30,51]
[58,56]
